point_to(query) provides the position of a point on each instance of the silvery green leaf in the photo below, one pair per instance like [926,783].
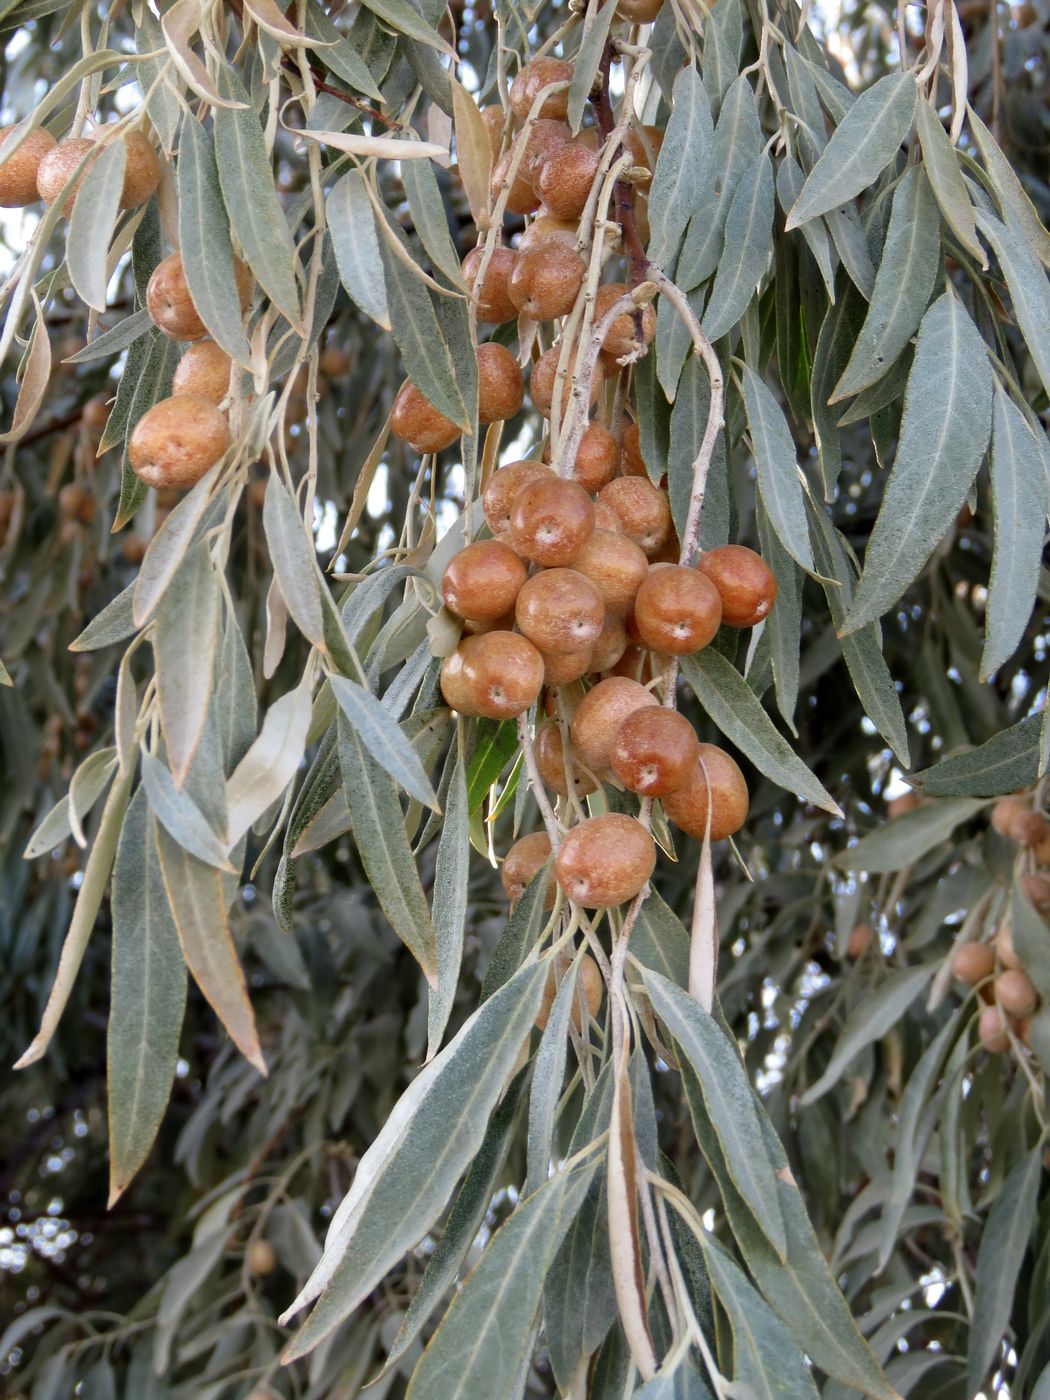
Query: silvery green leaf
[790,180]
[90,781]
[847,233]
[778,475]
[401,16]
[596,25]
[519,937]
[417,332]
[115,623]
[942,166]
[1016,207]
[767,1357]
[236,708]
[862,145]
[1029,288]
[161,102]
[911,259]
[1006,763]
[451,889]
[271,762]
[723,40]
[180,816]
[113,341]
[547,1077]
[682,168]
[147,1000]
[92,222]
[204,238]
[835,343]
[340,53]
[185,640]
[168,548]
[294,559]
[384,739]
[944,433]
[430,217]
[783,624]
[908,838]
[1030,940]
[748,242]
[660,941]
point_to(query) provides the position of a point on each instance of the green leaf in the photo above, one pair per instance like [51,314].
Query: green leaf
[168,547]
[944,432]
[784,622]
[147,1000]
[863,144]
[340,53]
[417,332]
[1031,941]
[185,640]
[596,26]
[1019,503]
[495,745]
[384,738]
[90,781]
[382,845]
[767,1358]
[400,15]
[451,890]
[433,1133]
[294,559]
[1004,1243]
[911,259]
[838,335]
[682,167]
[942,166]
[248,190]
[737,145]
[198,907]
[778,474]
[688,421]
[748,243]
[430,218]
[1016,207]
[723,40]
[1029,288]
[731,703]
[727,1094]
[484,1340]
[547,1076]
[876,1014]
[1006,763]
[115,623]
[790,180]
[92,222]
[180,816]
[113,341]
[204,240]
[519,937]
[908,838]
[271,762]
[660,941]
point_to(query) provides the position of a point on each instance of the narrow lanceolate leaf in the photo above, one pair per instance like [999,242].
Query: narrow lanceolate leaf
[198,906]
[402,16]
[944,433]
[424,350]
[1019,504]
[863,144]
[341,56]
[942,166]
[271,763]
[168,548]
[875,1015]
[784,622]
[430,1137]
[911,258]
[681,168]
[519,937]
[384,739]
[204,240]
[92,222]
[1030,940]
[451,888]
[748,242]
[180,816]
[352,222]
[1013,201]
[723,40]
[778,477]
[69,812]
[485,1338]
[36,376]
[427,208]
[1006,763]
[625,1240]
[294,559]
[729,1100]
[597,23]
[185,640]
[255,213]
[766,1356]
[731,703]
[548,1073]
[473,149]
[1029,288]
[790,180]
[907,838]
[147,1000]
[382,845]
[703,939]
[1004,1243]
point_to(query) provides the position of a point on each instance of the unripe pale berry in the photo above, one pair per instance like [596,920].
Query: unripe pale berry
[204,370]
[551,520]
[655,751]
[262,1258]
[416,421]
[973,963]
[525,859]
[483,580]
[744,580]
[559,611]
[521,198]
[494,305]
[717,781]
[676,610]
[544,378]
[177,441]
[599,716]
[622,337]
[501,385]
[530,81]
[1015,993]
[550,760]
[610,645]
[1037,891]
[18,174]
[588,982]
[546,281]
[546,228]
[605,861]
[171,305]
[496,674]
[991,1031]
[859,940]
[565,179]
[564,667]
[642,510]
[499,494]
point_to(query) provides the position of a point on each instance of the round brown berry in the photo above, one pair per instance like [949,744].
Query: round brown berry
[1037,891]
[501,386]
[597,459]
[141,171]
[524,861]
[18,174]
[631,332]
[900,806]
[565,180]
[544,378]
[494,305]
[521,198]
[610,645]
[499,494]
[631,459]
[744,580]
[545,228]
[546,281]
[716,782]
[171,305]
[483,580]
[991,1031]
[599,716]
[655,751]
[530,81]
[57,166]
[605,861]
[204,370]
[1015,993]
[496,674]
[564,667]
[642,510]
[335,362]
[1028,828]
[495,120]
[588,984]
[550,760]
[559,611]
[415,420]
[676,609]
[551,520]
[544,140]
[177,441]
[1004,812]
[973,963]
[639,11]
[75,502]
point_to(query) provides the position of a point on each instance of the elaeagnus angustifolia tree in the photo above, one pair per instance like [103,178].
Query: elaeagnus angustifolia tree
[524,855]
